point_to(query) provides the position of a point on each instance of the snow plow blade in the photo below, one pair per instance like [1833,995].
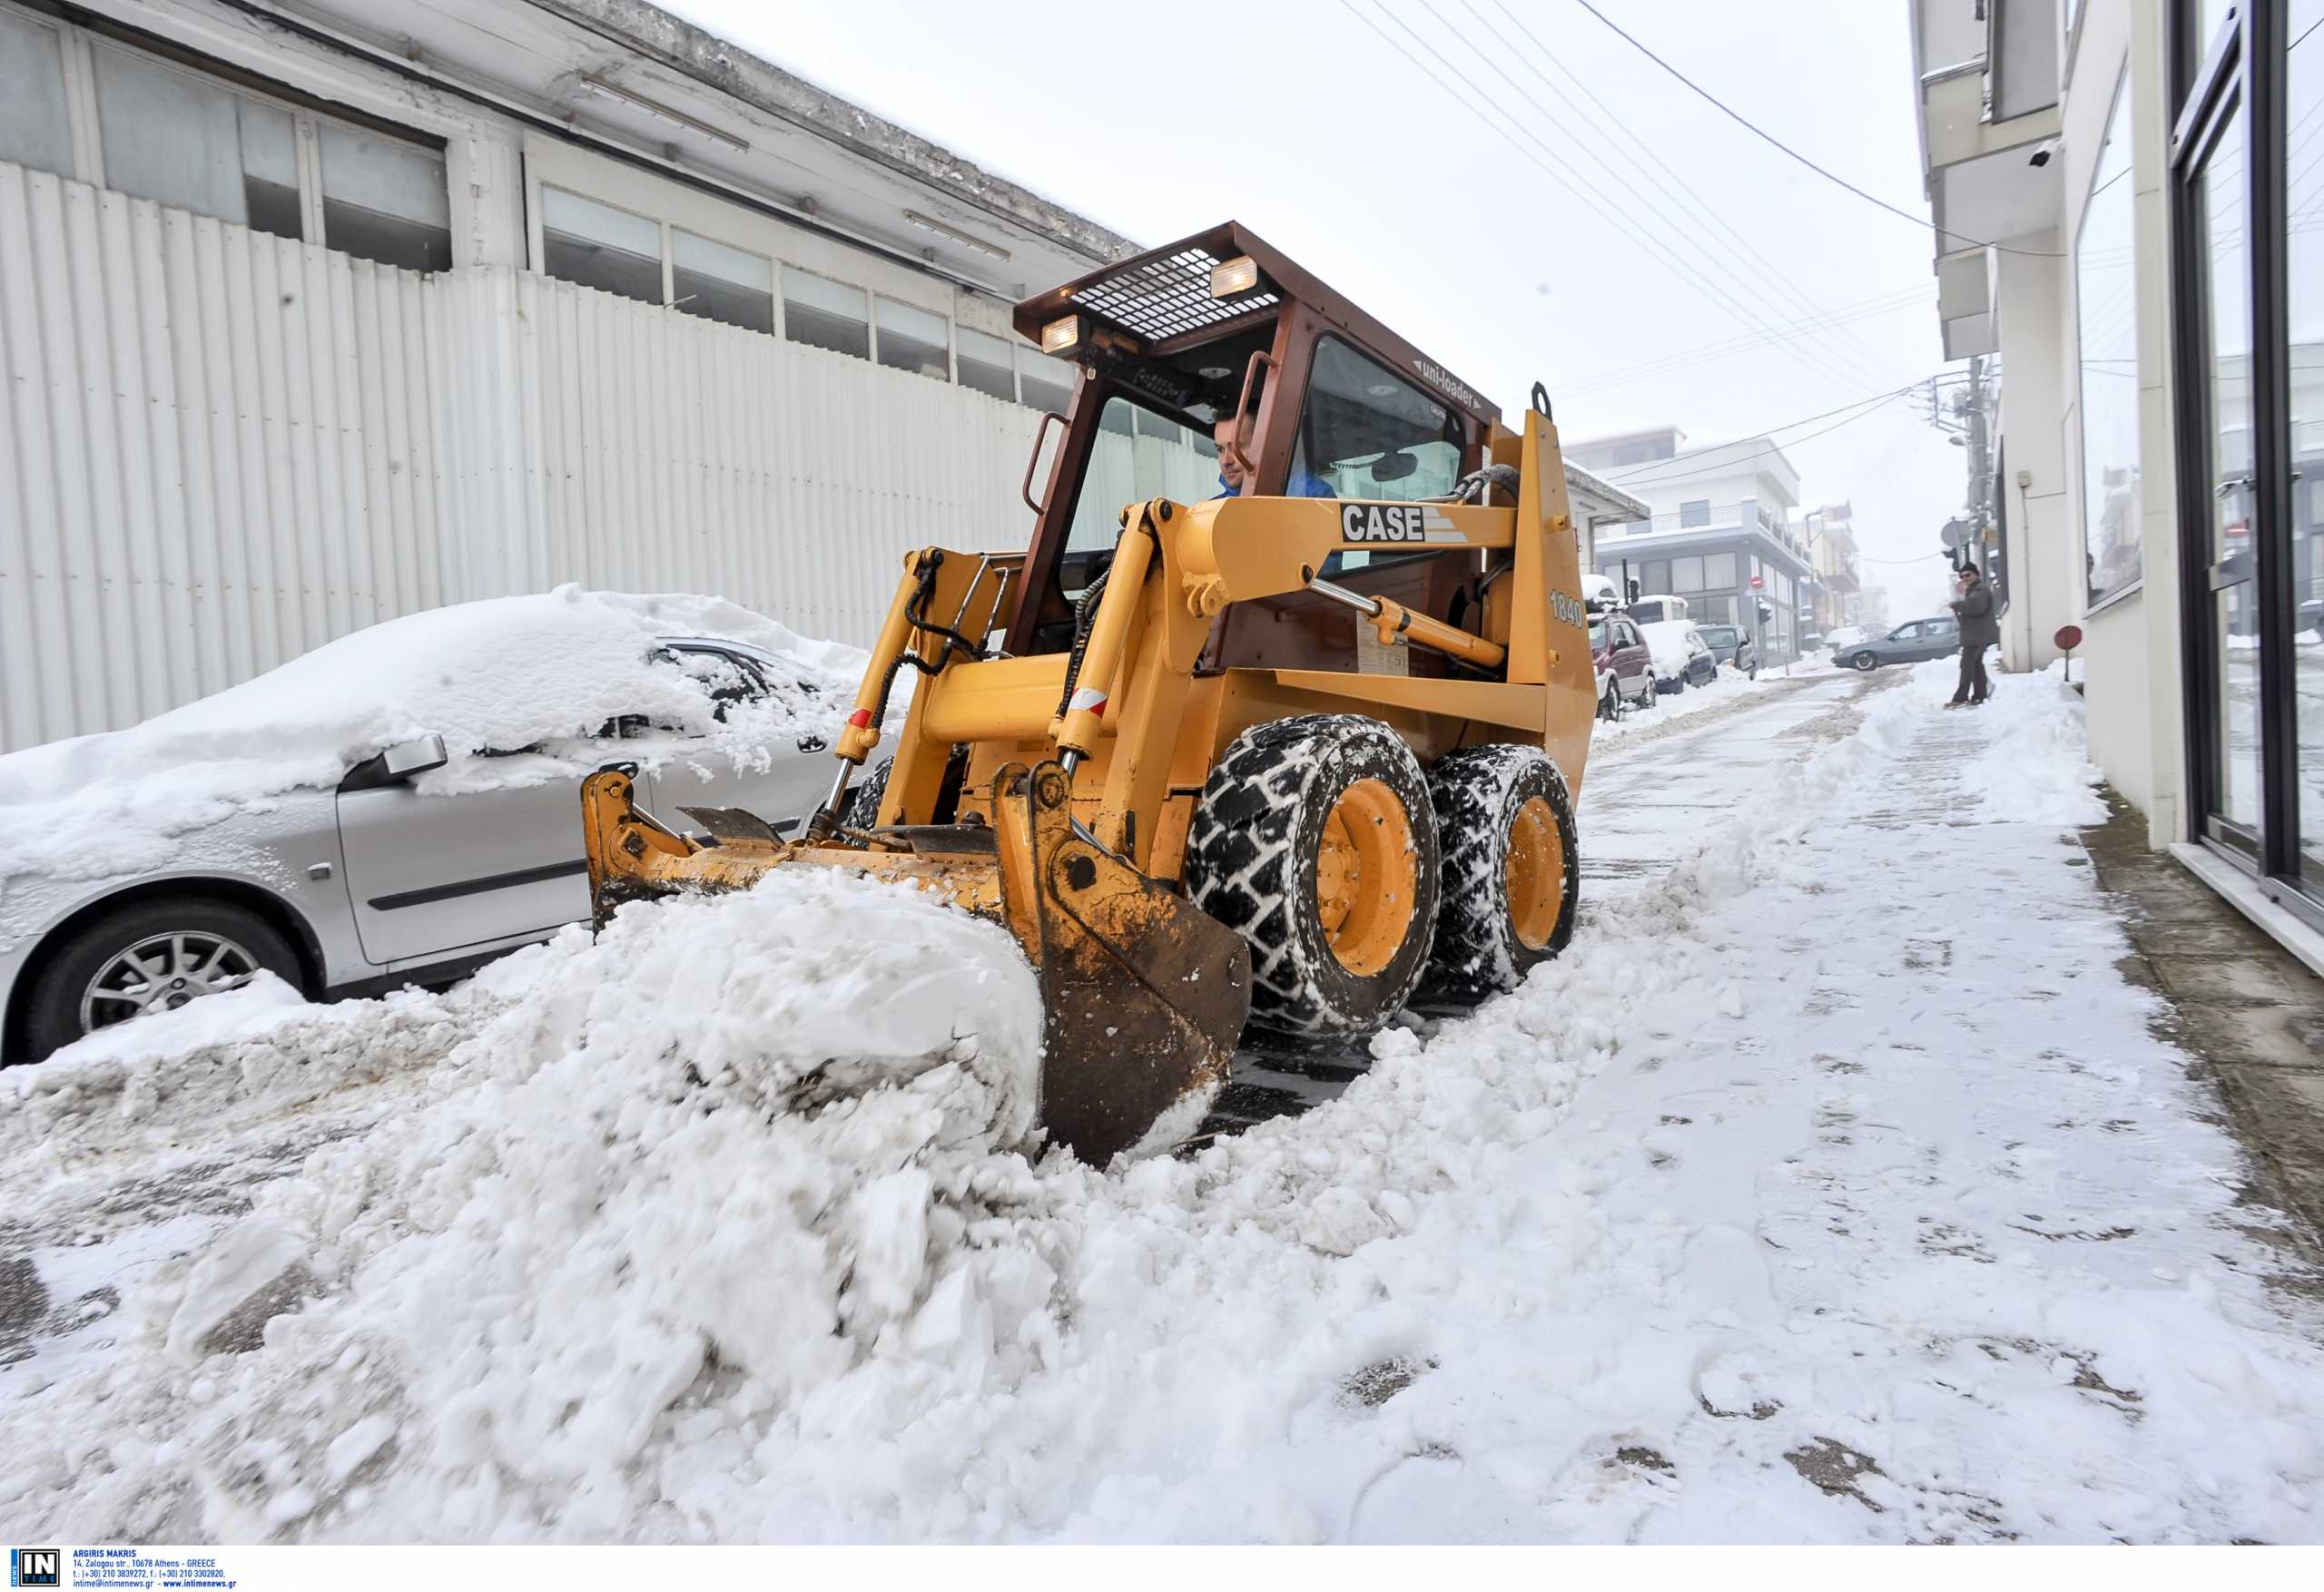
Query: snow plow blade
[1143,995]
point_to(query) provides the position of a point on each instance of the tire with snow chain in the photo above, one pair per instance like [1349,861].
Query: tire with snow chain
[1315,841]
[1510,879]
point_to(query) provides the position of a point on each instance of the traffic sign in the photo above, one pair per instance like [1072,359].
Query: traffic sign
[1758,582]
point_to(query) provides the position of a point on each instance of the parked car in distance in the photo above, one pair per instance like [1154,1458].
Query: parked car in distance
[1681,656]
[350,868]
[1625,666]
[1731,644]
[1812,642]
[1910,643]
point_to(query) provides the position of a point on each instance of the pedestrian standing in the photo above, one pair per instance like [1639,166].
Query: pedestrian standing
[1974,605]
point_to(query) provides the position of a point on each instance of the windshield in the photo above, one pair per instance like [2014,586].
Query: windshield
[1720,636]
[1137,456]
[1369,433]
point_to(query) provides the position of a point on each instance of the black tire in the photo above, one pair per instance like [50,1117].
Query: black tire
[1610,705]
[861,809]
[1651,697]
[1252,855]
[53,1019]
[1481,796]
[1867,661]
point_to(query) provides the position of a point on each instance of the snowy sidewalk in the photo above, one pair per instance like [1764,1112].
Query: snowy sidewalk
[1832,1186]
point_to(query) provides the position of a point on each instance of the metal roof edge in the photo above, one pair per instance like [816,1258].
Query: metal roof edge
[732,70]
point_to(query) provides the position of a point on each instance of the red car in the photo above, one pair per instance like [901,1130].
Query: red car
[1625,666]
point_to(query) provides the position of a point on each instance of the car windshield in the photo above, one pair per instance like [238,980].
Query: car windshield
[1720,636]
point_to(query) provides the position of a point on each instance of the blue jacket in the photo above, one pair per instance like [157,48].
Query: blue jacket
[1303,483]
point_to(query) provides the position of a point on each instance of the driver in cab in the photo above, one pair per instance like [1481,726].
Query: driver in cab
[1234,481]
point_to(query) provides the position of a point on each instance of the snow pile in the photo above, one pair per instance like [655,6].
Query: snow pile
[726,1150]
[2031,766]
[1762,1212]
[1726,687]
[492,677]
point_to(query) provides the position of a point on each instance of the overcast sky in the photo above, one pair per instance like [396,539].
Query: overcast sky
[1442,209]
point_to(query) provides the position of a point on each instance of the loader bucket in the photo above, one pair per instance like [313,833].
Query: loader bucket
[1143,995]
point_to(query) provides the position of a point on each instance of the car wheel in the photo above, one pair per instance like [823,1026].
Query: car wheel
[151,955]
[1867,660]
[1610,704]
[1651,697]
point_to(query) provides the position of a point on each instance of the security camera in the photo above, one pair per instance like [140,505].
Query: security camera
[2041,153]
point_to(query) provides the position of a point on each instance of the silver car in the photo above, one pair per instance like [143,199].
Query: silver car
[374,883]
[1911,642]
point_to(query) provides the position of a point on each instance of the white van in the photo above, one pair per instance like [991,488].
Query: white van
[1657,609]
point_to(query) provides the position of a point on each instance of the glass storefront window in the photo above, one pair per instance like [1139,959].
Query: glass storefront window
[2304,324]
[2106,315]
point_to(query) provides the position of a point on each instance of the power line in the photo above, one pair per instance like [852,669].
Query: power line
[1864,406]
[1828,175]
[1681,268]
[1618,126]
[1682,358]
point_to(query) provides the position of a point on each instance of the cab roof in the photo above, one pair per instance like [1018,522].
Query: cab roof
[1160,301]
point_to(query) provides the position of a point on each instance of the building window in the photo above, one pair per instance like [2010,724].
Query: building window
[1046,383]
[825,314]
[167,131]
[384,200]
[35,127]
[2106,315]
[1718,571]
[1697,513]
[1687,574]
[730,286]
[600,247]
[187,140]
[913,340]
[983,363]
[1655,579]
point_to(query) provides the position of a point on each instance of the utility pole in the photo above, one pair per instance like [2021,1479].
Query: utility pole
[1981,467]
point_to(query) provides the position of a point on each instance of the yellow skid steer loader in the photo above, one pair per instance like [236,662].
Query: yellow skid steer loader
[1291,758]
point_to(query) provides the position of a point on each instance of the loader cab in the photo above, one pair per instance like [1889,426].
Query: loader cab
[1331,403]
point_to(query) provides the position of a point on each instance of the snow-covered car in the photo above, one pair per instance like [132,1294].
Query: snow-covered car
[1840,640]
[1681,656]
[398,806]
[1731,644]
[1625,666]
[1910,643]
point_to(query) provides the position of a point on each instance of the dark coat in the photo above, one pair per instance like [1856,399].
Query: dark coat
[1979,628]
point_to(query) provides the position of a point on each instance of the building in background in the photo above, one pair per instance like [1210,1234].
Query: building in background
[1837,588]
[1717,518]
[2129,201]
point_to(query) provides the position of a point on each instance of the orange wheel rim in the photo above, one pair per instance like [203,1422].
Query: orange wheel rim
[1364,877]
[1535,881]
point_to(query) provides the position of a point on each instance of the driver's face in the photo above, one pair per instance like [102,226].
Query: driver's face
[1226,434]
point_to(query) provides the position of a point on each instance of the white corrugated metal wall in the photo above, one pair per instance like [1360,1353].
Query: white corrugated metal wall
[219,448]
